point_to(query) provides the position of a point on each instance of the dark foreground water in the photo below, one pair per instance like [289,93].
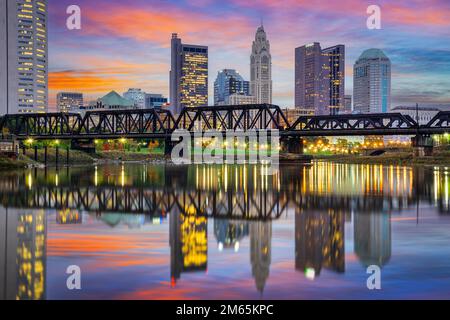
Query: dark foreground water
[225,232]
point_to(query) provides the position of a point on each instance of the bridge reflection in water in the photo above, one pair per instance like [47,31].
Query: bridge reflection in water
[242,202]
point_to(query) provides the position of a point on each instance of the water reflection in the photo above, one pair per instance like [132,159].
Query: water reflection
[22,254]
[235,209]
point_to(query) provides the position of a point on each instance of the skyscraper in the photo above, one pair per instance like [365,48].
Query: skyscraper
[261,68]
[23,56]
[320,78]
[188,75]
[229,82]
[334,64]
[372,82]
[309,82]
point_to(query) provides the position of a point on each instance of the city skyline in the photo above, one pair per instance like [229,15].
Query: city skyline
[136,39]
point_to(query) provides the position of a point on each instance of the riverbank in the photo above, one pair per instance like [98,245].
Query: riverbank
[10,164]
[439,158]
[75,158]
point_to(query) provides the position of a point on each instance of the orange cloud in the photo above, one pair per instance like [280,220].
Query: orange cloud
[156,26]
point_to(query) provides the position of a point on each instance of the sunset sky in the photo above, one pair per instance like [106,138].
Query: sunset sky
[125,44]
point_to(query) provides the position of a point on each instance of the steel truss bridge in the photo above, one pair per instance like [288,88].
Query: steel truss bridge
[158,202]
[152,123]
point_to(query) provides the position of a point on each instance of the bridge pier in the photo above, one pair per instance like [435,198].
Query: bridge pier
[422,145]
[292,145]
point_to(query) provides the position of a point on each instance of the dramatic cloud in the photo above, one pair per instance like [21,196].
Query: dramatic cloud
[125,45]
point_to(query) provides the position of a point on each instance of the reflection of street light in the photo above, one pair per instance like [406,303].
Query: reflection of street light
[30,141]
[56,142]
[123,140]
[310,273]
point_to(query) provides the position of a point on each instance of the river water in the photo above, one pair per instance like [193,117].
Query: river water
[137,231]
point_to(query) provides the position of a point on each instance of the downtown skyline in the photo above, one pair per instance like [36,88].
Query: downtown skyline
[121,47]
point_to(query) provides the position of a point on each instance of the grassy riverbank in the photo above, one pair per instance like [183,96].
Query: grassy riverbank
[75,158]
[440,157]
[128,156]
[10,164]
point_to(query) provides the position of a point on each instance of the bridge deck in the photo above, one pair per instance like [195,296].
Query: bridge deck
[151,123]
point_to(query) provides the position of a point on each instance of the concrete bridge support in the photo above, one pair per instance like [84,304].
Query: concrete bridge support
[422,145]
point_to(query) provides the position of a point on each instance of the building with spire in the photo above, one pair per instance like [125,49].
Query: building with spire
[261,68]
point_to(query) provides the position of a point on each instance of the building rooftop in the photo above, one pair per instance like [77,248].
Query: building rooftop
[373,54]
[115,99]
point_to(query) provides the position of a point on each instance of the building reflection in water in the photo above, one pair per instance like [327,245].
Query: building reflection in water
[323,198]
[22,254]
[319,241]
[188,243]
[229,234]
[260,252]
[372,238]
[68,216]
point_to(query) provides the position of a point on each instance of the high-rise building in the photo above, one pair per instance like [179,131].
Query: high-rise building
[23,56]
[261,68]
[154,101]
[229,82]
[334,65]
[68,101]
[372,82]
[137,96]
[320,78]
[348,104]
[188,75]
[309,91]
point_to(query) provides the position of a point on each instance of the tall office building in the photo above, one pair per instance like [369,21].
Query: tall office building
[68,101]
[320,78]
[188,75]
[372,82]
[23,56]
[261,68]
[334,65]
[229,82]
